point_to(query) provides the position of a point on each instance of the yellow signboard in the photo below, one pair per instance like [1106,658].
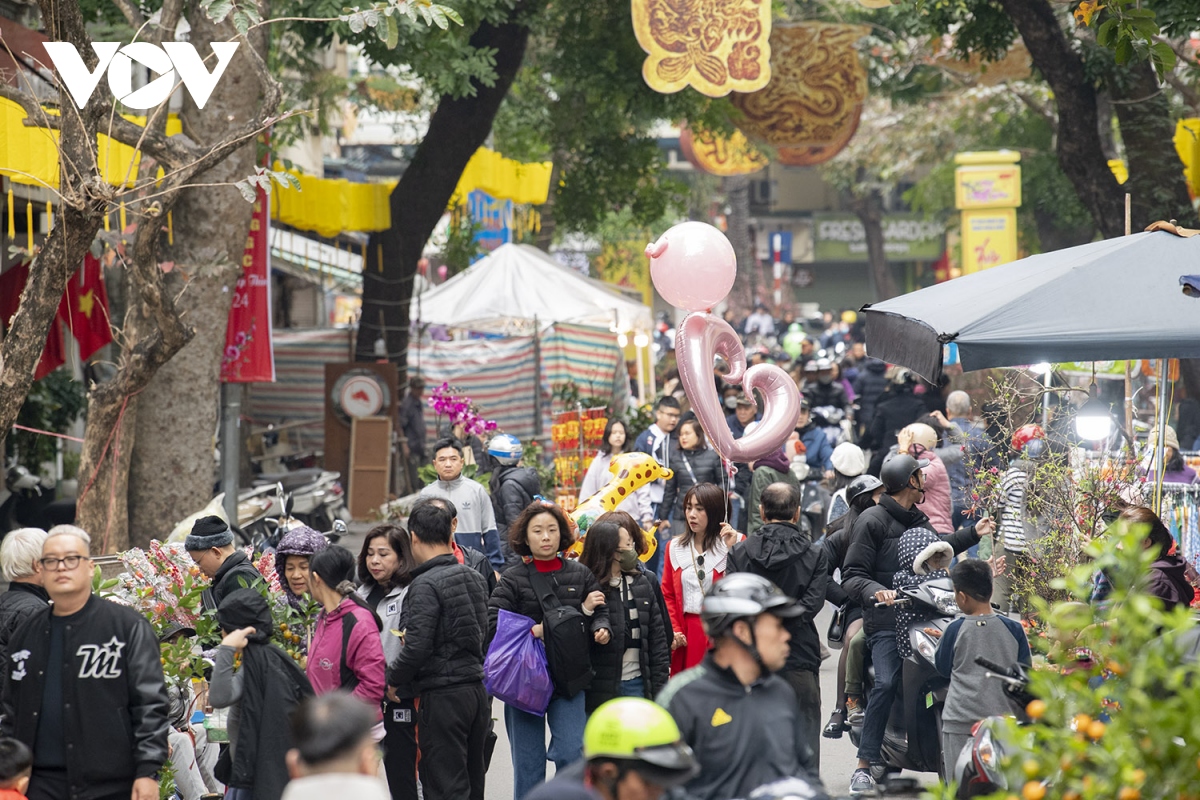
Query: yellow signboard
[987,186]
[989,238]
[716,47]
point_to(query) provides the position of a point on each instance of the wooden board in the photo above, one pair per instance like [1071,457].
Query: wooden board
[370,464]
[337,428]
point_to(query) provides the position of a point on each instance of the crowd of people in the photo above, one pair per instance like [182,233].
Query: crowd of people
[680,640]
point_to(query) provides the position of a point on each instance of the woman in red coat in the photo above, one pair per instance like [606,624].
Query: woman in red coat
[694,561]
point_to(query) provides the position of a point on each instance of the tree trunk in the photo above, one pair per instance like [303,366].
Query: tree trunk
[737,193]
[1155,180]
[76,224]
[171,474]
[869,209]
[1080,149]
[457,129]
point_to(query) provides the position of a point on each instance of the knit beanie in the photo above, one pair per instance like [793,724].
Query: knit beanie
[208,532]
[300,541]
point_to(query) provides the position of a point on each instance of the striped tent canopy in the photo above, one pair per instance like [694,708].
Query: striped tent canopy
[496,373]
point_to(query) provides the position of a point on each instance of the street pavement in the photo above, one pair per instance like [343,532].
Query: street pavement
[838,758]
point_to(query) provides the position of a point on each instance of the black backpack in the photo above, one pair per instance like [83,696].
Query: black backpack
[565,633]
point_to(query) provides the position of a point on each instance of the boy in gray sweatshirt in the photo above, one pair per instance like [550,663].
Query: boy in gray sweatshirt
[981,632]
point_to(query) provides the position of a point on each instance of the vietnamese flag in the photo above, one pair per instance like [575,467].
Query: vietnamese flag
[85,308]
[12,283]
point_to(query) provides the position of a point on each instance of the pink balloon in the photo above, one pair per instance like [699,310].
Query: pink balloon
[700,339]
[692,265]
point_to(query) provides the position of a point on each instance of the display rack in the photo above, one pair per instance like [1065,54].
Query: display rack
[576,436]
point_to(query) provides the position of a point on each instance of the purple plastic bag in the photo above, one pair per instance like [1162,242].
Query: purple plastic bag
[515,668]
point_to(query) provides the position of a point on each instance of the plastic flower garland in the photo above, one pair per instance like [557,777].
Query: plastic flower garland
[460,410]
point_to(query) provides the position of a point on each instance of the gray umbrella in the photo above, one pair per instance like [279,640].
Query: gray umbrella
[1113,299]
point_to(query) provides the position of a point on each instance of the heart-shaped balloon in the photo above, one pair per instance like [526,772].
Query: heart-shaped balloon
[700,338]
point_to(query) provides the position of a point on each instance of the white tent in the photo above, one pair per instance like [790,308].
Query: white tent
[505,291]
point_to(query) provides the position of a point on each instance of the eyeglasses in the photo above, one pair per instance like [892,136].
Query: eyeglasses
[70,562]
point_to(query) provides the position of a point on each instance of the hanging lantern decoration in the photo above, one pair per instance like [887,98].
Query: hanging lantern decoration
[714,46]
[811,155]
[815,96]
[720,155]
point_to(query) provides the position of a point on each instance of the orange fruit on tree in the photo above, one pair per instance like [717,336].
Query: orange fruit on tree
[1036,709]
[1081,722]
[1030,768]
[1129,793]
[1034,790]
[1138,776]
[1071,794]
[1096,729]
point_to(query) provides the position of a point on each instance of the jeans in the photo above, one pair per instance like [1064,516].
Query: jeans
[527,738]
[634,687]
[879,704]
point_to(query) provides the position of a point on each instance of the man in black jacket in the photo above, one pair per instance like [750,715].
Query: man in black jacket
[785,555]
[512,487]
[898,407]
[443,626]
[466,555]
[210,544]
[740,719]
[85,687]
[20,557]
[871,562]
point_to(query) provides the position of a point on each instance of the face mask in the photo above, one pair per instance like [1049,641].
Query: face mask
[731,403]
[628,559]
[825,380]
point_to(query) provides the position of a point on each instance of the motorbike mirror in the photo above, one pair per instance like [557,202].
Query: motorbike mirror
[288,504]
[339,527]
[279,489]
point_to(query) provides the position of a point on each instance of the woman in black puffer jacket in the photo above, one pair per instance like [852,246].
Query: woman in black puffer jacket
[693,462]
[636,662]
[540,536]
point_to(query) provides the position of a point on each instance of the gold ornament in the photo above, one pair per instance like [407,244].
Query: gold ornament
[715,46]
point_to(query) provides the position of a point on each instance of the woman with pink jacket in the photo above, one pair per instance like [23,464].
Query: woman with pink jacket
[346,651]
[919,441]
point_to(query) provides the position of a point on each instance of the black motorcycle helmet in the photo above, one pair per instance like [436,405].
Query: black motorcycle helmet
[863,484]
[744,595]
[897,470]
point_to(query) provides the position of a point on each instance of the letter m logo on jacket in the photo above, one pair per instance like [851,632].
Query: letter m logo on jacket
[101,660]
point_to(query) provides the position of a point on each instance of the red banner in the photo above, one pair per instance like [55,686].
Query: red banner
[249,356]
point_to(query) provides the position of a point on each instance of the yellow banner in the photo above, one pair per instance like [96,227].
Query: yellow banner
[716,46]
[989,238]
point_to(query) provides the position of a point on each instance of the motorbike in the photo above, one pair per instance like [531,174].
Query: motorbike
[317,495]
[265,514]
[26,502]
[978,769]
[913,737]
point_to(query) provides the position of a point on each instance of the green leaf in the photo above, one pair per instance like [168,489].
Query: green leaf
[218,10]
[247,190]
[1105,33]
[453,15]
[241,21]
[1123,51]
[439,16]
[1163,58]
[392,34]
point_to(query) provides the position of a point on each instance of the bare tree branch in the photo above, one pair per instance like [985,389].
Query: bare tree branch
[131,13]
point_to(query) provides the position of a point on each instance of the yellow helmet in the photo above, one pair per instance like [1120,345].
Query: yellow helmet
[635,729]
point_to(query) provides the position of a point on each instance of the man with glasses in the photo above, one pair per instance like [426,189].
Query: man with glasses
[85,687]
[476,519]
